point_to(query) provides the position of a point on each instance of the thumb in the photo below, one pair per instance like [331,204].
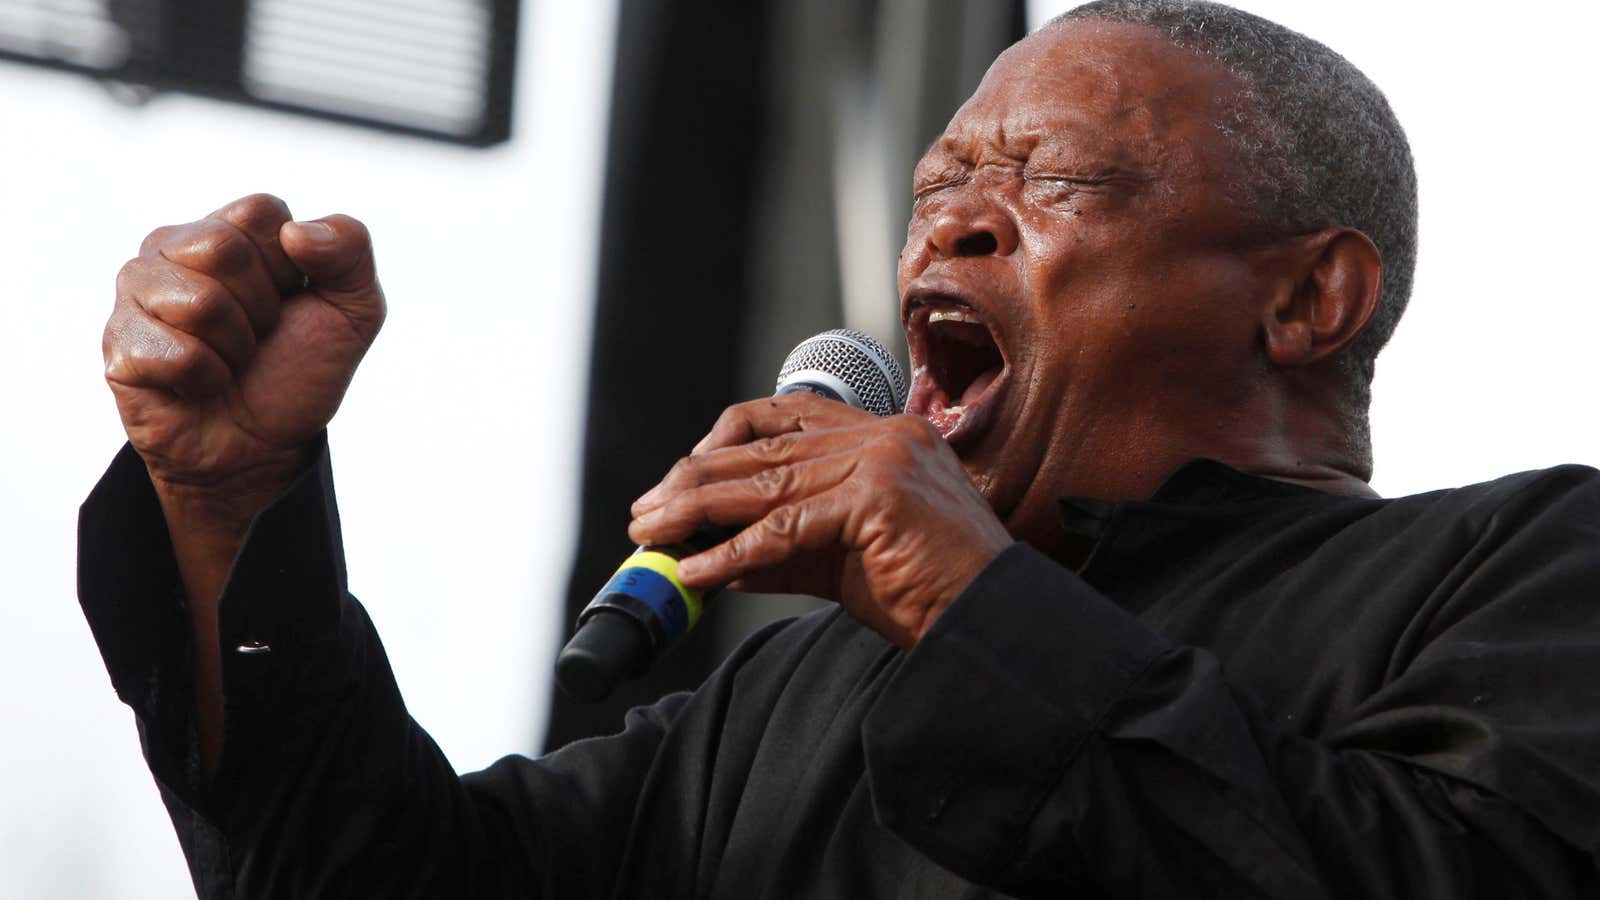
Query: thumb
[335,253]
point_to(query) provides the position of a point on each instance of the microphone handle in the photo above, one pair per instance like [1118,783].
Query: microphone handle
[643,608]
[639,612]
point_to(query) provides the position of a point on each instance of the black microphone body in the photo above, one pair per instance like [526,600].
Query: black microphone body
[644,608]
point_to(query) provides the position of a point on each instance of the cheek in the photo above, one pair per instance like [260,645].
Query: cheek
[1123,322]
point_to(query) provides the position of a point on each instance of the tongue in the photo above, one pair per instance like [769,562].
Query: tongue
[978,386]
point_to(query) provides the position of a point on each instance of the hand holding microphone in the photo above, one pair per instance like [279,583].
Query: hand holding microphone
[819,498]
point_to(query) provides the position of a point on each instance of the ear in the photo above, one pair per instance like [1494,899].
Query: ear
[1335,278]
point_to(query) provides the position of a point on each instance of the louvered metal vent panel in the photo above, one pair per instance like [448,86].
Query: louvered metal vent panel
[442,68]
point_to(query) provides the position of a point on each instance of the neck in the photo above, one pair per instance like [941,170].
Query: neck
[1302,431]
[1273,428]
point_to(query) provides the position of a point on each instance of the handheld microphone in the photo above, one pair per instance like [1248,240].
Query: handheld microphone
[644,608]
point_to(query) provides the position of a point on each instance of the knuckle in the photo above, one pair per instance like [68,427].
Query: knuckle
[688,468]
[223,248]
[211,246]
[206,306]
[116,369]
[120,367]
[189,364]
[131,273]
[111,346]
[727,418]
[783,523]
[773,483]
[157,238]
[771,449]
[258,208]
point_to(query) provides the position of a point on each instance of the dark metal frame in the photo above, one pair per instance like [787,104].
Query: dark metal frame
[213,33]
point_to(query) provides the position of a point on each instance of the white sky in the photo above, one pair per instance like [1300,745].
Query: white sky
[456,452]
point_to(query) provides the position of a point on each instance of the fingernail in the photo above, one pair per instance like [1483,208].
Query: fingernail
[640,528]
[316,232]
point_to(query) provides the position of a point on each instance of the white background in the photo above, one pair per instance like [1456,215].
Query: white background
[456,451]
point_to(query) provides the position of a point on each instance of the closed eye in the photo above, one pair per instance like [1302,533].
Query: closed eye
[928,190]
[1085,181]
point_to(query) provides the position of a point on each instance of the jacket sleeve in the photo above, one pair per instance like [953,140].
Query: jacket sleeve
[325,786]
[1042,740]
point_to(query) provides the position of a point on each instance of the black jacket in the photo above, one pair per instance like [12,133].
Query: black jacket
[1251,689]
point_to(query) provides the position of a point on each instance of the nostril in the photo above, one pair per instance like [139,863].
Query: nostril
[981,244]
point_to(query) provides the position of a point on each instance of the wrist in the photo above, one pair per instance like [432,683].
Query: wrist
[207,517]
[964,569]
[237,494]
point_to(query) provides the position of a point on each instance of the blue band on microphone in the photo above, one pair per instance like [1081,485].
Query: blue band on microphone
[654,590]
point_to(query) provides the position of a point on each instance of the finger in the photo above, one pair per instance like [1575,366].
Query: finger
[799,411]
[217,247]
[814,523]
[745,460]
[191,302]
[335,253]
[260,217]
[741,500]
[142,351]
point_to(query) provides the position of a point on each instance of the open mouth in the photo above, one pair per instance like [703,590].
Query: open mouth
[959,369]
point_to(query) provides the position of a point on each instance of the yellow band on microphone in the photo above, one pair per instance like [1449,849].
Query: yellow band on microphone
[667,567]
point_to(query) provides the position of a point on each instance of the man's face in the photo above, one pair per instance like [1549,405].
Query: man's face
[1075,287]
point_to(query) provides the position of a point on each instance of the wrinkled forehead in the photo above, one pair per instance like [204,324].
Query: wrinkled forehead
[1108,88]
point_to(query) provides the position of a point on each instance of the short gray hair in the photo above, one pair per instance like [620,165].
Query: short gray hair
[1320,140]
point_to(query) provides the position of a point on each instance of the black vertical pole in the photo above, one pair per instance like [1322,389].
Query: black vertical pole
[683,156]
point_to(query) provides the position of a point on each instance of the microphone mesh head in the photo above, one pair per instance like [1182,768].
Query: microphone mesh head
[858,360]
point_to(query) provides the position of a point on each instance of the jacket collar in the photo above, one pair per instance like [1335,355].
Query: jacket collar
[1199,486]
[1203,501]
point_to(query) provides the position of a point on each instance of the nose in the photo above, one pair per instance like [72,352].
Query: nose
[970,230]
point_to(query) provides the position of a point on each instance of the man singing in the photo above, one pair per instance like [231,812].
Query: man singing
[1117,614]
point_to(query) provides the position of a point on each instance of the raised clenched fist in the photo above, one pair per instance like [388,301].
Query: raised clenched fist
[233,340]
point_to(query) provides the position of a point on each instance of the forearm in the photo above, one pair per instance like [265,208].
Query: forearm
[1070,746]
[206,525]
[323,775]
